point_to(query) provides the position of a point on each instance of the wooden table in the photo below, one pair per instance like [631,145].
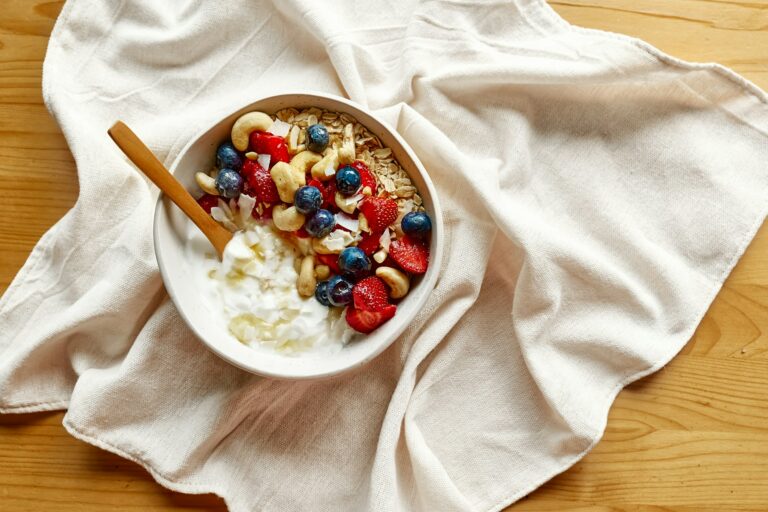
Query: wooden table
[693,437]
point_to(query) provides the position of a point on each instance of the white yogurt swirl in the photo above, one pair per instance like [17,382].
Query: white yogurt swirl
[255,291]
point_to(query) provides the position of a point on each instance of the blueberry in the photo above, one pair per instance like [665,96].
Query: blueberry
[321,293]
[347,180]
[416,224]
[339,291]
[317,138]
[227,157]
[229,183]
[354,263]
[307,200]
[320,224]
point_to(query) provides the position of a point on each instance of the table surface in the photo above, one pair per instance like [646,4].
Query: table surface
[692,437]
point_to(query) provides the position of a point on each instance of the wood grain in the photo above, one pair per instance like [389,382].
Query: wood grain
[691,438]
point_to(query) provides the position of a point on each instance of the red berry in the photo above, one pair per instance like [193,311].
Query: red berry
[260,182]
[367,321]
[380,212]
[301,233]
[412,255]
[366,177]
[208,201]
[329,197]
[331,260]
[370,294]
[280,153]
[369,243]
[247,189]
[272,145]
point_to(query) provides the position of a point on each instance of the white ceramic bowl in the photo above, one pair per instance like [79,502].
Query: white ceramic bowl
[171,226]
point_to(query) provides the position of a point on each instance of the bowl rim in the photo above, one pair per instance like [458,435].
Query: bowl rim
[428,281]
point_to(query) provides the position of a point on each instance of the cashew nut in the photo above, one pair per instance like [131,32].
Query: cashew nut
[206,183]
[347,150]
[251,155]
[246,124]
[344,203]
[330,160]
[304,245]
[287,179]
[322,271]
[380,256]
[398,282]
[306,282]
[305,160]
[287,219]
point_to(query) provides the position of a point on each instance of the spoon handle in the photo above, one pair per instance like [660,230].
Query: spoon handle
[138,153]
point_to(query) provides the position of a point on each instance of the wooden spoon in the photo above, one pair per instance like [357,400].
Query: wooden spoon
[138,153]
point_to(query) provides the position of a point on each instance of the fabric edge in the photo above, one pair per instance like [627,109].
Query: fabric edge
[545,10]
[677,346]
[55,405]
[168,483]
[756,93]
[35,255]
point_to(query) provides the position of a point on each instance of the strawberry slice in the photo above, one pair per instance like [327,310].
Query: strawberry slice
[311,182]
[370,294]
[366,177]
[208,201]
[260,182]
[266,143]
[369,243]
[412,255]
[301,233]
[380,212]
[331,260]
[367,321]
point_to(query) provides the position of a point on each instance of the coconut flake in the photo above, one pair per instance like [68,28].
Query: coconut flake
[279,128]
[264,160]
[225,209]
[385,240]
[220,216]
[245,204]
[329,171]
[337,240]
[353,200]
[334,244]
[347,222]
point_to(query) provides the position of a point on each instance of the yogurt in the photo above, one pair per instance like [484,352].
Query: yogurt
[254,290]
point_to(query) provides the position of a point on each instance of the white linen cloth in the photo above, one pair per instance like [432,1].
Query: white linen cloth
[596,195]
